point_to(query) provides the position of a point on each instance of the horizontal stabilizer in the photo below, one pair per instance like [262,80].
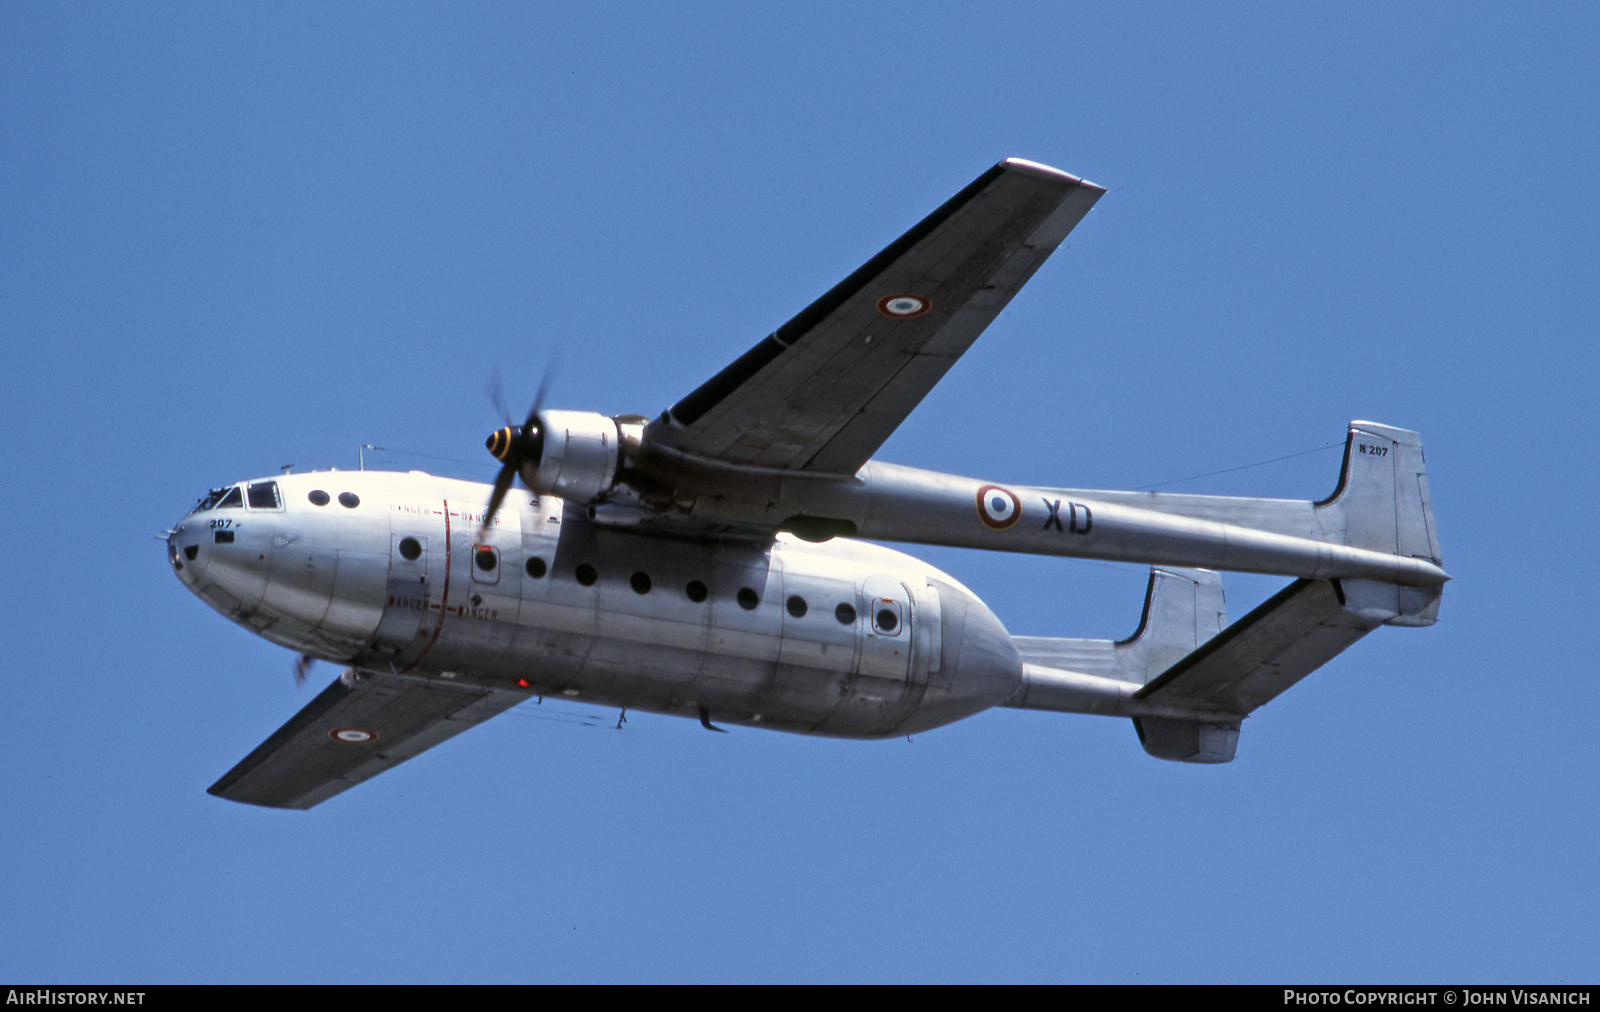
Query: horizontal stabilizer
[1293,633]
[1188,686]
[361,725]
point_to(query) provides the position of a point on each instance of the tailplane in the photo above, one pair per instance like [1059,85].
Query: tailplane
[1186,678]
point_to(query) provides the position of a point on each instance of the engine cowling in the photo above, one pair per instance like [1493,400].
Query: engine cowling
[580,455]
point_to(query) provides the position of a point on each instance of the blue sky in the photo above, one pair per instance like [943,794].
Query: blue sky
[258,235]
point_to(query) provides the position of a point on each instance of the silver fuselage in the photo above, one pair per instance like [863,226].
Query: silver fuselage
[842,638]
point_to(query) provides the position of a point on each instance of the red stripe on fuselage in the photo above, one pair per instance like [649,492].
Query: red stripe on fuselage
[444,595]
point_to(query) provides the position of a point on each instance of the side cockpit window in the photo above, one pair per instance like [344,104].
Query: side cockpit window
[264,496]
[232,498]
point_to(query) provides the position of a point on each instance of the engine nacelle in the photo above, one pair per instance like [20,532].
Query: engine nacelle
[580,455]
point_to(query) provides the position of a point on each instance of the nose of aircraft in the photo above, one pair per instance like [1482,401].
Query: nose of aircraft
[183,554]
[301,559]
[222,552]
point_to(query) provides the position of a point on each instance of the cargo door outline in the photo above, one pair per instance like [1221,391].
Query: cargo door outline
[927,625]
[410,599]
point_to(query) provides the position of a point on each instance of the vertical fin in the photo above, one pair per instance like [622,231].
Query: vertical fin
[1383,494]
[1384,502]
[1183,608]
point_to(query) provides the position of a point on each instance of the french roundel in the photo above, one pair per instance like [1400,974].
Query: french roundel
[903,306]
[352,735]
[998,507]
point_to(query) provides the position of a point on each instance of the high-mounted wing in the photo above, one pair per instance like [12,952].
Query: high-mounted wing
[825,390]
[355,729]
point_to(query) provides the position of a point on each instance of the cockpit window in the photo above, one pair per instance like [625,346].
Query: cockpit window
[209,500]
[264,495]
[233,498]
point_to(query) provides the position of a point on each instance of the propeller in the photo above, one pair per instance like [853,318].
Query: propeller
[497,396]
[514,446]
[302,666]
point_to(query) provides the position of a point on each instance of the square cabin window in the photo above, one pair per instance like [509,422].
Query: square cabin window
[264,495]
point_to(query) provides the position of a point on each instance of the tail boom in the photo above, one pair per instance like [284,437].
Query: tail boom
[1378,524]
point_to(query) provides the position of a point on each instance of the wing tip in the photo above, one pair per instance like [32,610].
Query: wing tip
[1047,172]
[226,790]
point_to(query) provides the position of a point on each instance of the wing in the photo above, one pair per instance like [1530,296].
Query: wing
[355,729]
[826,389]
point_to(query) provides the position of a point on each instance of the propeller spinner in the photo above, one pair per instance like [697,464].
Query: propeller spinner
[513,446]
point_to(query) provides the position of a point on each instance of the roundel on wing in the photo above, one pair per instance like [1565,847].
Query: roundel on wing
[903,306]
[353,735]
[998,507]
